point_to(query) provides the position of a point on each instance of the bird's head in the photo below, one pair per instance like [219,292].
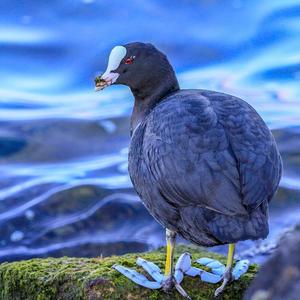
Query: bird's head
[136,65]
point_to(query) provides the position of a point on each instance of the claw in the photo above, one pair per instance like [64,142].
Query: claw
[240,268]
[210,278]
[215,266]
[227,277]
[152,269]
[193,272]
[137,277]
[204,276]
[182,292]
[217,270]
[182,266]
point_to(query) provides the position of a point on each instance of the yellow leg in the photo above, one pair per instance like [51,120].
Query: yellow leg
[170,281]
[227,274]
[230,255]
[170,237]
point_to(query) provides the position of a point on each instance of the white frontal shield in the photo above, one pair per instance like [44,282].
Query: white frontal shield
[115,58]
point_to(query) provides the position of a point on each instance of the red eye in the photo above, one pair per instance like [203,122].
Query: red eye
[129,60]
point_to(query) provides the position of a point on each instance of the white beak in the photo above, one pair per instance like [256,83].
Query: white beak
[109,77]
[106,80]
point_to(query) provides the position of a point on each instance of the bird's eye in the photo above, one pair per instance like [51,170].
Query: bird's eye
[129,60]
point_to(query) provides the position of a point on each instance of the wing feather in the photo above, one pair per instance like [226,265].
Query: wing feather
[191,161]
[212,150]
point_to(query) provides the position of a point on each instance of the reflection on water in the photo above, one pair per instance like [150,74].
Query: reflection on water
[63,148]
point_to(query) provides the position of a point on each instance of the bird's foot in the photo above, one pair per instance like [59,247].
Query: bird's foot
[160,281]
[227,278]
[218,272]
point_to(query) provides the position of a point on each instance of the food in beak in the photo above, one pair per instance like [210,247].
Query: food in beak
[105,80]
[100,83]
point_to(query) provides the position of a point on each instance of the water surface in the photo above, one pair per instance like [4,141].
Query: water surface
[64,184]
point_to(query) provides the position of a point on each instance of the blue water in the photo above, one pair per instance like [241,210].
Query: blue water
[64,187]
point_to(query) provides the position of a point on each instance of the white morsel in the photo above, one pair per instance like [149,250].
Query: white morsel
[108,125]
[16,236]
[29,214]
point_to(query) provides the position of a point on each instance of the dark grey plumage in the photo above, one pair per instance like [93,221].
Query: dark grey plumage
[205,165]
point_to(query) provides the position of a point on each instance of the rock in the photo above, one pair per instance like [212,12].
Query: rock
[279,277]
[93,278]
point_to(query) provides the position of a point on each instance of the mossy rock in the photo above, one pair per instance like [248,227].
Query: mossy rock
[93,278]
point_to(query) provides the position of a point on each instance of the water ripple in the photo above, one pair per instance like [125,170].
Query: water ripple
[64,184]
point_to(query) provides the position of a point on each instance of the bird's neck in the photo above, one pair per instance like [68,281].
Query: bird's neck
[145,99]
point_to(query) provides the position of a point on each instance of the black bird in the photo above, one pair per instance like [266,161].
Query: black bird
[204,163]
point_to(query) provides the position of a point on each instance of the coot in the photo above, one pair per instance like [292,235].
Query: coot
[204,164]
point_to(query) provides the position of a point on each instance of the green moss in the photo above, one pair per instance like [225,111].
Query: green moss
[93,278]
